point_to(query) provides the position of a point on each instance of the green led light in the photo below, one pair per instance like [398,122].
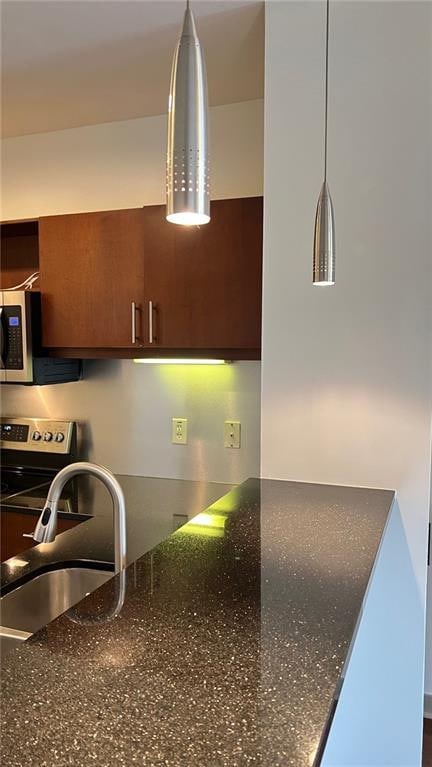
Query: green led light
[175,361]
[226,504]
[203,532]
[204,524]
[208,520]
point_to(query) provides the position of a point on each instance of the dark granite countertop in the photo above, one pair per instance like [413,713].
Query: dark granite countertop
[154,507]
[228,649]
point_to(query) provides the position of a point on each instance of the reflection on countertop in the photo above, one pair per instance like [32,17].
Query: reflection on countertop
[154,507]
[228,649]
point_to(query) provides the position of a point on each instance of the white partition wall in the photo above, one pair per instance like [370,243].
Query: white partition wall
[346,370]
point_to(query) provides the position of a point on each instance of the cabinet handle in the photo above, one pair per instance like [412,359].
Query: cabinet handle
[134,308]
[150,306]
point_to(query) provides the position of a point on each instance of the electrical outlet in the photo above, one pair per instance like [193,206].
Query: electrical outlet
[179,431]
[232,434]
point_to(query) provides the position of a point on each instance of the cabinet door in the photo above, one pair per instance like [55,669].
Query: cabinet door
[205,282]
[92,270]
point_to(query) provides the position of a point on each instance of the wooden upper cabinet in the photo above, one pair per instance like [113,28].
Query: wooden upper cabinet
[92,270]
[19,253]
[205,282]
[196,289]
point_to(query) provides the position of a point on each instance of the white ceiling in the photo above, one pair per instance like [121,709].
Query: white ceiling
[67,63]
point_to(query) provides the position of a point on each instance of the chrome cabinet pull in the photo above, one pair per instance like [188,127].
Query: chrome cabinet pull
[150,306]
[135,309]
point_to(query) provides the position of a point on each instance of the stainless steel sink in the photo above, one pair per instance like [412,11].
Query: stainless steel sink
[11,638]
[36,603]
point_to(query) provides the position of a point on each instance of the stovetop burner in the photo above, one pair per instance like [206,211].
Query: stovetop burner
[16,481]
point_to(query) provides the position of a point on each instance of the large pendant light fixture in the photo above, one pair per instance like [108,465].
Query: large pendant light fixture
[324,234]
[188,197]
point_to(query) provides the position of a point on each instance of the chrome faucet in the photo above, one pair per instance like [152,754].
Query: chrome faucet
[46,528]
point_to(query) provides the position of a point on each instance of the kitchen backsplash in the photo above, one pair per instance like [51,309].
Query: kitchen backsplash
[124,412]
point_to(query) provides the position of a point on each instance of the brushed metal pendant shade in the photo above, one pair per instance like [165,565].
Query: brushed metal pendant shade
[324,240]
[324,246]
[188,193]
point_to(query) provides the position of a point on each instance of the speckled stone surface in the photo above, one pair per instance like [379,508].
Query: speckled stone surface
[154,507]
[228,649]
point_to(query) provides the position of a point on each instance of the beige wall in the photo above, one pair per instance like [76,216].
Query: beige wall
[125,412]
[122,164]
[347,380]
[125,409]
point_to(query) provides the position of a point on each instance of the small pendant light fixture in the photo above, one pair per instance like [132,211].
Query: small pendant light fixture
[324,234]
[188,196]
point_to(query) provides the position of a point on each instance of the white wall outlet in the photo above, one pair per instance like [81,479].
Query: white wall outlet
[179,431]
[232,434]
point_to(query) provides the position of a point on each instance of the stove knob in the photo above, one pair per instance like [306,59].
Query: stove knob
[36,435]
[48,436]
[59,437]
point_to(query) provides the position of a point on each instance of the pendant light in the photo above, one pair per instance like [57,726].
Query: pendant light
[188,197]
[324,234]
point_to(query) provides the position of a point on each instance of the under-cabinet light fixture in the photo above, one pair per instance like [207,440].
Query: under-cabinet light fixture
[324,233]
[187,182]
[175,361]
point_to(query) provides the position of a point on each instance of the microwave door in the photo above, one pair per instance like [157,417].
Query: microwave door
[16,332]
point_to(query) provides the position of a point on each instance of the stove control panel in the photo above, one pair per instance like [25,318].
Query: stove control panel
[42,435]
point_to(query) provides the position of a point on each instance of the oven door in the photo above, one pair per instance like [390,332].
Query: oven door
[16,364]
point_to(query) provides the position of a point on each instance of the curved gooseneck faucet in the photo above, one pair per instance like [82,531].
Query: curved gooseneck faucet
[46,528]
[119,586]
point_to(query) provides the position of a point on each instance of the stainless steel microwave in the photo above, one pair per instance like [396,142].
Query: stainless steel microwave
[21,358]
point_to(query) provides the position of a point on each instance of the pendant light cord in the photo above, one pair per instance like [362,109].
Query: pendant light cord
[326,89]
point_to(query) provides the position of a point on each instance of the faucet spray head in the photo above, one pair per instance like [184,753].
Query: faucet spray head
[46,528]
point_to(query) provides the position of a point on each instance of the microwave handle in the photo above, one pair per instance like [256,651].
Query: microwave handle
[2,341]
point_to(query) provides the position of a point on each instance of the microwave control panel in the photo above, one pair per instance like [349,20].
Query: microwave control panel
[42,435]
[13,333]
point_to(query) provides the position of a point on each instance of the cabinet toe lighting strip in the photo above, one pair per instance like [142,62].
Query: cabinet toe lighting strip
[175,361]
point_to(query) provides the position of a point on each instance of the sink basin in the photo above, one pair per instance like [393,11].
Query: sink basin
[37,602]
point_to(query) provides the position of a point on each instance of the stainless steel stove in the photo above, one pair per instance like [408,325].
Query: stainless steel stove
[33,450]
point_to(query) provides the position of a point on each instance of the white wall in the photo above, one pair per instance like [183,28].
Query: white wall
[346,370]
[126,409]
